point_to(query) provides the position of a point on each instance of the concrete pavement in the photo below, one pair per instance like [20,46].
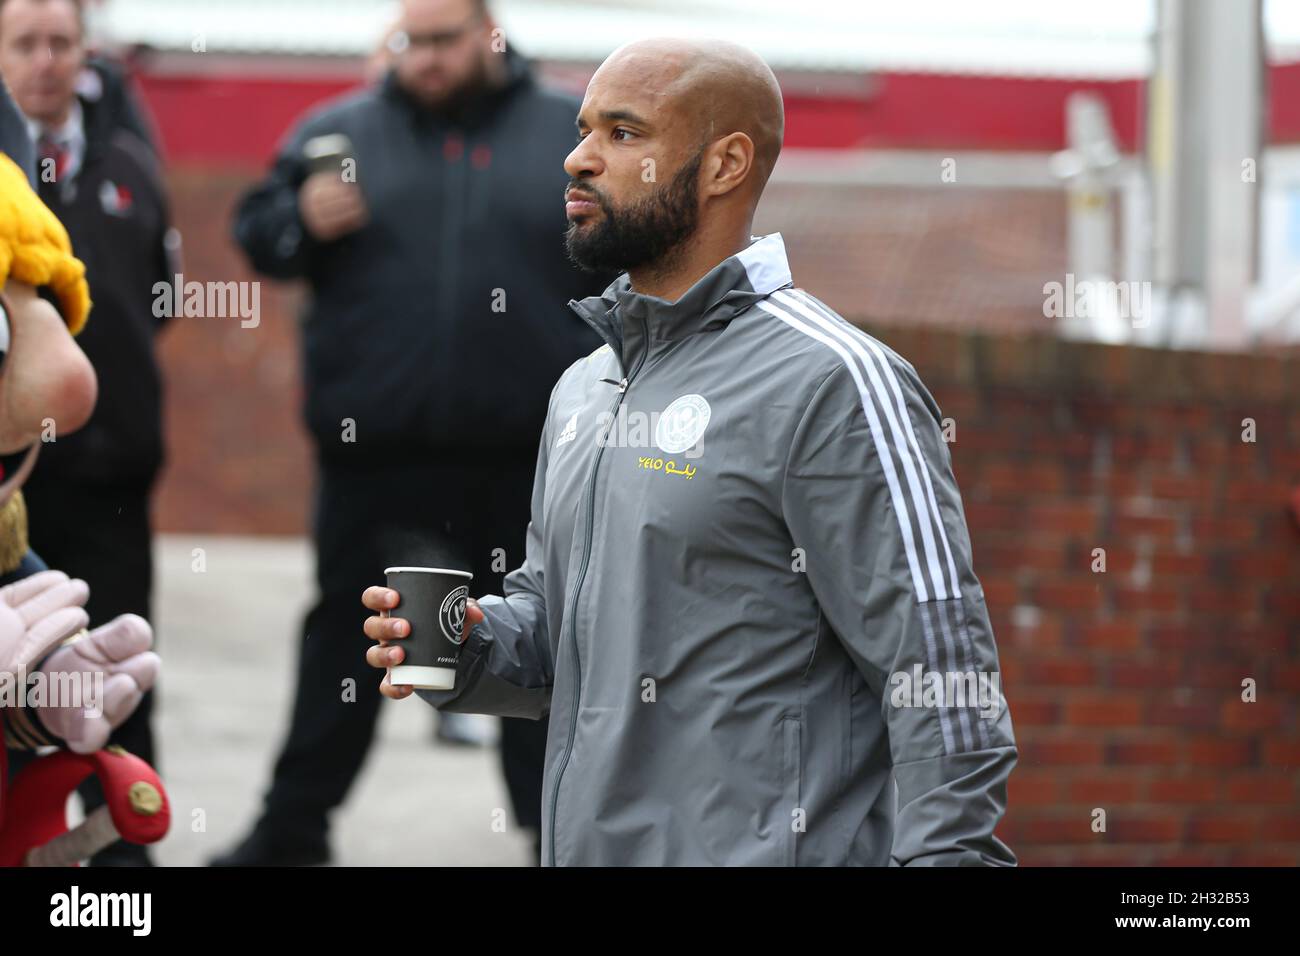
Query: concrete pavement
[228,638]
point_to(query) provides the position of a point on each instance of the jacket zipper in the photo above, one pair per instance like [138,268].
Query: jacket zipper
[582,574]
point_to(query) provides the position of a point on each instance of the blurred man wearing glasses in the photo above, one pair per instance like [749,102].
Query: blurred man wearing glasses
[422,213]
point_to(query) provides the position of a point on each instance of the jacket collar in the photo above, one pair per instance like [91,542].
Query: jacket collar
[722,293]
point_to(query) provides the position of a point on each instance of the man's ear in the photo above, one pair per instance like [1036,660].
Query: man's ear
[730,163]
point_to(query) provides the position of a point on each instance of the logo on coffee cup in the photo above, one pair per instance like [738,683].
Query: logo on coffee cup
[451,616]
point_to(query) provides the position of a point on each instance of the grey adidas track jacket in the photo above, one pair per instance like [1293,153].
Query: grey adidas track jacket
[747,597]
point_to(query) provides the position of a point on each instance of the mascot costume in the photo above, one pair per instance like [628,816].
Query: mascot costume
[63,689]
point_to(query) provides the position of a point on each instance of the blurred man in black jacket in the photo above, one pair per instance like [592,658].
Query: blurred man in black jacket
[88,497]
[430,230]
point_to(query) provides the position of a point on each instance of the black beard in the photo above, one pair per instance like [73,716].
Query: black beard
[460,102]
[648,232]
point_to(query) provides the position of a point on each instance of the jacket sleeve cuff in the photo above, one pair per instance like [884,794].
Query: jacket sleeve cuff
[479,691]
[293,243]
[24,730]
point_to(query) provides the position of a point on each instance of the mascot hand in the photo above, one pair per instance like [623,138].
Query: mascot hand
[37,613]
[120,651]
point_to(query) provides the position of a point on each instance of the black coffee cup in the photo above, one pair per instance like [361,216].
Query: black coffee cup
[433,602]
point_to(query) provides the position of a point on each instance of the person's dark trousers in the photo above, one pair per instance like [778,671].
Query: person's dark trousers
[523,756]
[102,535]
[467,511]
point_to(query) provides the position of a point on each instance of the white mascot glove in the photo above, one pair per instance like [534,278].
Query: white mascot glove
[118,649]
[37,613]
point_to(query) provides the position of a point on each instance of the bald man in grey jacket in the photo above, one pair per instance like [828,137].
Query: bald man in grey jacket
[748,603]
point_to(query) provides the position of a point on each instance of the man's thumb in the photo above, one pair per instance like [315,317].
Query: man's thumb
[473,615]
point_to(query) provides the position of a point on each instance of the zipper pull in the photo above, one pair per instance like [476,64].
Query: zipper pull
[622,386]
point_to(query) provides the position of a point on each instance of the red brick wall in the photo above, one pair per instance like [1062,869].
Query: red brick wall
[238,460]
[1125,685]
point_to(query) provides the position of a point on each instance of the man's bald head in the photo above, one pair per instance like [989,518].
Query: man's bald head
[712,87]
[675,136]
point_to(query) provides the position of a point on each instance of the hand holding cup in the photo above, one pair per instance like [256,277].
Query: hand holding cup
[386,628]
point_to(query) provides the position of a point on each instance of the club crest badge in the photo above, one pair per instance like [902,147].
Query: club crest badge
[682,424]
[451,616]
